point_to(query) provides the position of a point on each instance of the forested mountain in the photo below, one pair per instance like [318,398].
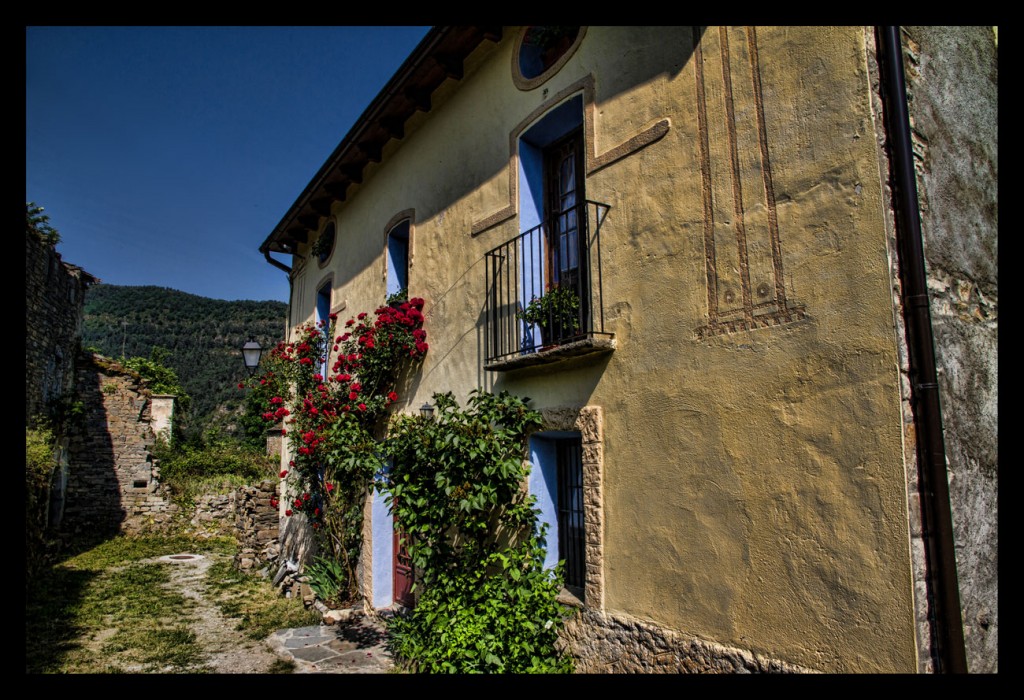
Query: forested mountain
[204,337]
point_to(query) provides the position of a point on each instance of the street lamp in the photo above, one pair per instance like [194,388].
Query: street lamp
[251,353]
[427,411]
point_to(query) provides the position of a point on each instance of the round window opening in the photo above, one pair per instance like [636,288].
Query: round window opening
[324,245]
[542,47]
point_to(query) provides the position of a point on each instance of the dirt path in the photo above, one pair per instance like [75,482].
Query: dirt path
[226,649]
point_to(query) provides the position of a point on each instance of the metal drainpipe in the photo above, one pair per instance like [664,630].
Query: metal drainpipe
[277,264]
[937,519]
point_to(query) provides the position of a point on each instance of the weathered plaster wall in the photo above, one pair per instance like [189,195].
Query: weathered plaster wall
[161,411]
[952,86]
[753,481]
[54,294]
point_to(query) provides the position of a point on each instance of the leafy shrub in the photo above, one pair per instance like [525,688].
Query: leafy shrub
[190,469]
[487,603]
[160,378]
[327,578]
[39,466]
[501,617]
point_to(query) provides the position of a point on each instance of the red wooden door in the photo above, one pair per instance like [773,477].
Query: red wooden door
[403,572]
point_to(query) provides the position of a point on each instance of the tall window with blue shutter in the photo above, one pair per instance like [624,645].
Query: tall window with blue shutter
[398,258]
[556,479]
[323,312]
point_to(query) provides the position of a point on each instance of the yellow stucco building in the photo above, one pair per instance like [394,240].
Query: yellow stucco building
[726,404]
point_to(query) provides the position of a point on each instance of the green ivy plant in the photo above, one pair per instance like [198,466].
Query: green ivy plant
[486,603]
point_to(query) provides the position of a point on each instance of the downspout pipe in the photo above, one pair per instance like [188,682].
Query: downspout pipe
[276,263]
[937,519]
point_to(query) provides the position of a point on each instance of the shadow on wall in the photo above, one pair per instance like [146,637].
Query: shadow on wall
[93,500]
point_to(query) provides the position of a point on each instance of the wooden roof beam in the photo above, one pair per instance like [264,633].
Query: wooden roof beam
[321,205]
[452,65]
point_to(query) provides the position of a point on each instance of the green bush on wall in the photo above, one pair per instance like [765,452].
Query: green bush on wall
[39,465]
[487,603]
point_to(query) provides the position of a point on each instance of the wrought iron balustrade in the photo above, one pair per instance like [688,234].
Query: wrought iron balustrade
[544,287]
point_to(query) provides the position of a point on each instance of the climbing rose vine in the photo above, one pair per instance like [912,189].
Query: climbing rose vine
[332,387]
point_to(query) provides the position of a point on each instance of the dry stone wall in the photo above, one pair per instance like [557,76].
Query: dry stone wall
[112,481]
[256,525]
[54,294]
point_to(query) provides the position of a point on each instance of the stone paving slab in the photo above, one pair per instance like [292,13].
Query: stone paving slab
[355,645]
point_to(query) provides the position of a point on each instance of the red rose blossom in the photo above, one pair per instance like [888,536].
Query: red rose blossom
[288,512]
[284,473]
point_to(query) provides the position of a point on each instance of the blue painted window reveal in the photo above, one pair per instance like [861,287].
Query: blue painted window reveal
[323,311]
[556,479]
[398,258]
[533,247]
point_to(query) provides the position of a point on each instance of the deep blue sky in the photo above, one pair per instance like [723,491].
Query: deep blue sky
[165,155]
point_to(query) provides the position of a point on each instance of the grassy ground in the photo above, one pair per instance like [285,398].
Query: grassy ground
[103,609]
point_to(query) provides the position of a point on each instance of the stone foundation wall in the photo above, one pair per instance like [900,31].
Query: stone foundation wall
[617,643]
[620,644]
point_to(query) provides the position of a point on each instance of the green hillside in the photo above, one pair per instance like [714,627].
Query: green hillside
[204,337]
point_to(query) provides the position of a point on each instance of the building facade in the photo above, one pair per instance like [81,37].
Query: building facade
[727,459]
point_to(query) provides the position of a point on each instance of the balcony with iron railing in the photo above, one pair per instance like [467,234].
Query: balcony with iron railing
[545,296]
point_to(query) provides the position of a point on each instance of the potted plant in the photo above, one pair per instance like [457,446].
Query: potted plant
[556,312]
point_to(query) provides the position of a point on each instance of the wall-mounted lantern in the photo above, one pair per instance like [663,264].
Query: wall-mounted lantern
[251,353]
